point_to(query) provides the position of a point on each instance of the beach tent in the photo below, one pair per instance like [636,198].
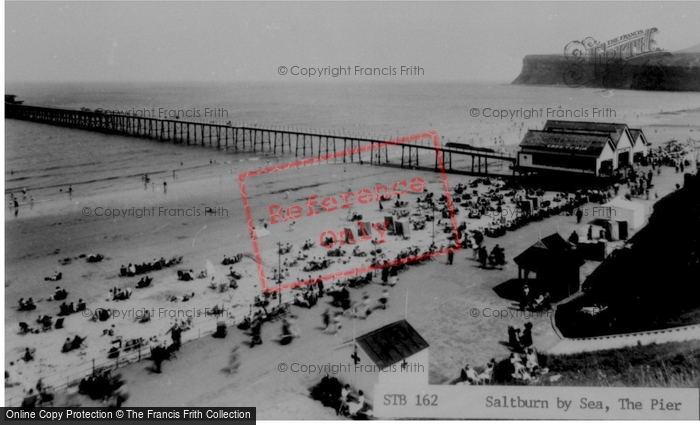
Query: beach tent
[367,227]
[347,236]
[389,220]
[526,205]
[620,209]
[261,232]
[402,227]
[213,275]
[211,271]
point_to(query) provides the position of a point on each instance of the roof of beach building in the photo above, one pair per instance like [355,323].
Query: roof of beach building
[615,130]
[635,132]
[392,343]
[548,252]
[584,143]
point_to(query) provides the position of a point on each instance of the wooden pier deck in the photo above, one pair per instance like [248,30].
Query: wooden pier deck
[253,138]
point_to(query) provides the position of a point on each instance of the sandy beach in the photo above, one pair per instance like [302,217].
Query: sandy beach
[52,235]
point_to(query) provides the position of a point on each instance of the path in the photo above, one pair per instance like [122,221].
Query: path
[577,345]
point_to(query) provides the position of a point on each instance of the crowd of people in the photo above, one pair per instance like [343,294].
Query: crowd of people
[68,309]
[522,365]
[342,398]
[314,265]
[529,301]
[672,154]
[231,260]
[524,359]
[155,265]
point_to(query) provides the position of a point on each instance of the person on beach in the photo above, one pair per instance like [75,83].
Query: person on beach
[531,361]
[176,334]
[517,363]
[468,375]
[255,332]
[293,326]
[233,362]
[574,237]
[526,297]
[366,306]
[287,335]
[483,256]
[158,355]
[475,247]
[326,320]
[393,276]
[450,257]
[28,356]
[579,216]
[485,376]
[514,338]
[590,233]
[344,399]
[355,407]
[337,324]
[319,286]
[384,299]
[526,338]
[121,395]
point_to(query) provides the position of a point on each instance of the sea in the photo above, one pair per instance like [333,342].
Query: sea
[45,159]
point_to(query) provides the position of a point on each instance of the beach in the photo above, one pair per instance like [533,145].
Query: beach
[51,233]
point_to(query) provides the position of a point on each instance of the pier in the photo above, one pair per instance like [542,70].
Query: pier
[253,138]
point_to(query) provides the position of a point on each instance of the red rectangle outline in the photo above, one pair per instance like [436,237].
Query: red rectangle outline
[308,161]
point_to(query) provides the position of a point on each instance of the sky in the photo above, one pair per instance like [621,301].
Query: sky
[250,41]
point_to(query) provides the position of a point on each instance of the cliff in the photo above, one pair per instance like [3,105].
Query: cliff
[664,71]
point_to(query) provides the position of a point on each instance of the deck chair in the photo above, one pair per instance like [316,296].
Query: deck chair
[113,353]
[24,328]
[59,323]
[47,325]
[46,397]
